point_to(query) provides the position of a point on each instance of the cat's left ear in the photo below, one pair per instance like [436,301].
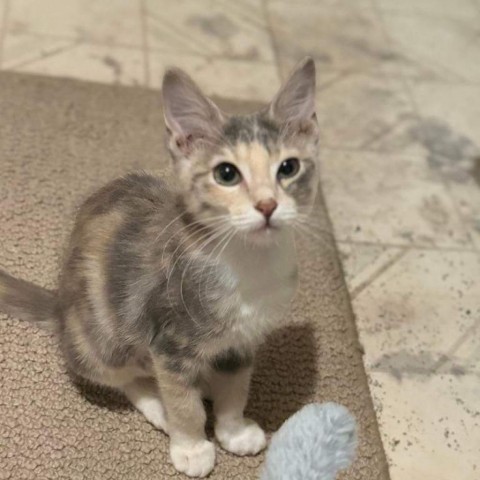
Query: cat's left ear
[295,102]
[191,118]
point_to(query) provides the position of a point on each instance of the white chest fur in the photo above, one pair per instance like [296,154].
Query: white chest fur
[265,279]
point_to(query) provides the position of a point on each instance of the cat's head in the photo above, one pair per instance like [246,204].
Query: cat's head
[254,174]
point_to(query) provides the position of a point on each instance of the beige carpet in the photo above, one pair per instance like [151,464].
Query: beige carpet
[59,140]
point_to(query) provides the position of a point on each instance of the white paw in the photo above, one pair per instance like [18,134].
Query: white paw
[194,460]
[154,412]
[245,439]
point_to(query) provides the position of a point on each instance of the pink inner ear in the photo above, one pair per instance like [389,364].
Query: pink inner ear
[184,144]
[307,126]
[183,141]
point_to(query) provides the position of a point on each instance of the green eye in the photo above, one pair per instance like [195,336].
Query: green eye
[227,174]
[288,168]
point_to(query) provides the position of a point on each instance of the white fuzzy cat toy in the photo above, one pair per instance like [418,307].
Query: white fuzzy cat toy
[314,444]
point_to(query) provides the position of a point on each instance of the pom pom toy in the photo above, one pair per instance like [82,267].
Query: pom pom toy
[314,444]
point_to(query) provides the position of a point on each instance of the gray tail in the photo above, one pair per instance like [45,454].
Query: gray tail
[27,301]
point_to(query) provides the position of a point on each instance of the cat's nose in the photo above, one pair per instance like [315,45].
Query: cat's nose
[267,207]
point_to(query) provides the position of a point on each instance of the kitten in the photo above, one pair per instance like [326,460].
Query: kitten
[167,292]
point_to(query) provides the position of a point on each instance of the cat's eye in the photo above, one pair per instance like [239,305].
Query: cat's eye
[288,168]
[227,174]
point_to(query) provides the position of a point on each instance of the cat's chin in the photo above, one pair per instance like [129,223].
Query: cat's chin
[263,236]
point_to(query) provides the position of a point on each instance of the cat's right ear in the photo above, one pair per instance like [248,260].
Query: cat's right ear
[295,102]
[191,118]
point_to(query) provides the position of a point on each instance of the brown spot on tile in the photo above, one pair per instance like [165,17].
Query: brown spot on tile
[458,371]
[216,25]
[434,212]
[115,65]
[476,169]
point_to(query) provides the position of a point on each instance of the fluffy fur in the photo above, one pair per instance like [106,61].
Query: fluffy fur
[167,291]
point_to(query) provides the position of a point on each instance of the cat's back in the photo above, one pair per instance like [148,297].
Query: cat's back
[111,230]
[139,192]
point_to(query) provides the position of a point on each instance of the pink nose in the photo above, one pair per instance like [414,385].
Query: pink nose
[267,207]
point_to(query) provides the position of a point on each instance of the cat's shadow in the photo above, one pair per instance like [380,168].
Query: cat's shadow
[101,396]
[283,381]
[285,376]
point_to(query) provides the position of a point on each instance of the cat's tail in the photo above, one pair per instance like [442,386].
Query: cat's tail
[27,301]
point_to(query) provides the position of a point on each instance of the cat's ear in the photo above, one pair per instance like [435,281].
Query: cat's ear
[295,102]
[191,118]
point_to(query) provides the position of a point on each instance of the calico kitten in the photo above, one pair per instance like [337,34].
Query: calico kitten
[167,291]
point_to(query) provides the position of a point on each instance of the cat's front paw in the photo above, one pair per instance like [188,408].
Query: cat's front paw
[246,438]
[195,460]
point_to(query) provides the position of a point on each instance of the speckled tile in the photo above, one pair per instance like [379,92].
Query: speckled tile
[430,425]
[337,38]
[450,134]
[417,309]
[216,76]
[419,324]
[440,48]
[392,199]
[116,22]
[365,111]
[98,63]
[228,29]
[362,263]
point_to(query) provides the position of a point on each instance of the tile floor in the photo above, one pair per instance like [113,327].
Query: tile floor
[399,107]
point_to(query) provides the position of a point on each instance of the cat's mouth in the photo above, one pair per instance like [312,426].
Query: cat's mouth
[266,229]
[267,226]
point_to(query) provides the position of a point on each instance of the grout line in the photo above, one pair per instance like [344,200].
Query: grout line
[376,274]
[407,79]
[341,72]
[52,53]
[273,42]
[3,28]
[160,50]
[240,14]
[384,132]
[170,31]
[411,246]
[120,45]
[70,38]
[445,358]
[393,46]
[212,56]
[447,185]
[145,45]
